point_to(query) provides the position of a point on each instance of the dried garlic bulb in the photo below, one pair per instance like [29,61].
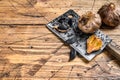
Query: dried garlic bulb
[89,22]
[110,14]
[93,44]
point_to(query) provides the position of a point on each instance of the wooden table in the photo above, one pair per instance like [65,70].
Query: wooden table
[29,51]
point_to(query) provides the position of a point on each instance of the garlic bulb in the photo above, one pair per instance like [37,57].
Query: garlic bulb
[110,15]
[89,22]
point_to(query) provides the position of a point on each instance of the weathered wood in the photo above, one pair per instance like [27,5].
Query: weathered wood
[29,51]
[114,49]
[41,11]
[23,45]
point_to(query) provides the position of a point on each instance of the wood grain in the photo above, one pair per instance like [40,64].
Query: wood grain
[29,51]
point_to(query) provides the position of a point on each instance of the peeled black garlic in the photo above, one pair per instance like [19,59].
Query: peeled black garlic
[89,22]
[62,28]
[110,14]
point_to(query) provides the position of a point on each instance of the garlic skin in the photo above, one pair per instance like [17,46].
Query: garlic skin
[110,15]
[89,22]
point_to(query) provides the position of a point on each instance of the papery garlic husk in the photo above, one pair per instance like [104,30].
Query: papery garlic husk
[110,15]
[89,22]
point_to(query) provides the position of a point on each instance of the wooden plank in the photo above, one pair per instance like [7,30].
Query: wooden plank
[29,51]
[39,31]
[33,12]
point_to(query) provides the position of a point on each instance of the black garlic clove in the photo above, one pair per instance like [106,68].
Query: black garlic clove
[71,40]
[63,26]
[72,55]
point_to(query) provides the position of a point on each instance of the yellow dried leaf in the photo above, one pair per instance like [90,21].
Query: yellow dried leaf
[93,44]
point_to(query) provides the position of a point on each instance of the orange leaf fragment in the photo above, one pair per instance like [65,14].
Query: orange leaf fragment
[93,44]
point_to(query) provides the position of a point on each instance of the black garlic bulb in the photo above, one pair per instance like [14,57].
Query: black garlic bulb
[110,15]
[89,22]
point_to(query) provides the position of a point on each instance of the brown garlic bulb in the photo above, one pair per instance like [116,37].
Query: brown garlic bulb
[89,22]
[110,15]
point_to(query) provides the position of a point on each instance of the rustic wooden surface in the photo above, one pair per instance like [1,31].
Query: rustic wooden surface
[29,51]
